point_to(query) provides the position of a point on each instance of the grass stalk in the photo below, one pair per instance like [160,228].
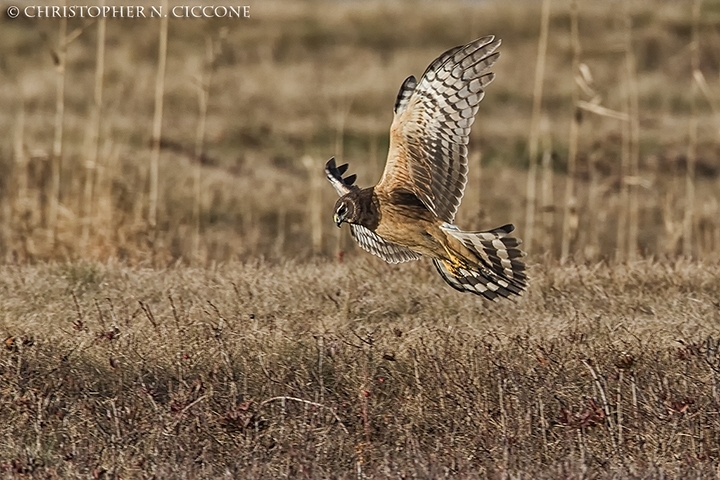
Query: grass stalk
[633,225]
[93,147]
[503,423]
[693,133]
[591,247]
[603,397]
[714,235]
[14,199]
[157,119]
[618,404]
[284,399]
[622,223]
[569,203]
[543,424]
[105,209]
[547,199]
[56,160]
[203,98]
[535,127]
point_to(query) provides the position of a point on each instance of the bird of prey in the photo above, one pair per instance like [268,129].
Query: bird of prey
[410,212]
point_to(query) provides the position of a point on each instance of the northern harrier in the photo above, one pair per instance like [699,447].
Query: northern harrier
[410,212]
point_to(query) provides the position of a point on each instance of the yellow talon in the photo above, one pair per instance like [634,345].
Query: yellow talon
[454,264]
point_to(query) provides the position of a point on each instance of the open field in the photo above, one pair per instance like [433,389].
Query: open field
[358,370]
[175,301]
[299,82]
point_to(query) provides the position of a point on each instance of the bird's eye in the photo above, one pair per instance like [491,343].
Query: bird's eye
[342,210]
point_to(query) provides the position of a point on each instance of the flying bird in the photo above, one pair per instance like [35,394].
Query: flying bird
[409,213]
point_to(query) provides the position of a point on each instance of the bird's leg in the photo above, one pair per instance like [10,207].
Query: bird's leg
[454,263]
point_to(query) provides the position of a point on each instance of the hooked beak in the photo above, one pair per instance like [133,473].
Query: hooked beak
[338,220]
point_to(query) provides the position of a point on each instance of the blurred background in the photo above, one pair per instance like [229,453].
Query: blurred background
[204,139]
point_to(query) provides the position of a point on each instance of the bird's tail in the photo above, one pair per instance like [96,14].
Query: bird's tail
[500,271]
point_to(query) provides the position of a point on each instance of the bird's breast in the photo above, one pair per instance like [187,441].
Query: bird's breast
[409,225]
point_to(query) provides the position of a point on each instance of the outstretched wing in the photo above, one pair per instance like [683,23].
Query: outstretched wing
[375,244]
[430,130]
[369,241]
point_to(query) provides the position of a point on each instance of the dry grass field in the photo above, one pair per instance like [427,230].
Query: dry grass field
[358,370]
[175,301]
[299,82]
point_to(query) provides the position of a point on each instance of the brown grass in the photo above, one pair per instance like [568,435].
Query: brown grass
[288,364]
[318,79]
[322,370]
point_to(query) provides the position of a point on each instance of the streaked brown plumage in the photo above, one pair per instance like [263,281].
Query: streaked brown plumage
[410,212]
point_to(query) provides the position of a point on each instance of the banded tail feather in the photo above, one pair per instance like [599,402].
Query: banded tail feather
[500,272]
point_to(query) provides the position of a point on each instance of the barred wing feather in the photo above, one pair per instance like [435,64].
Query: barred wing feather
[430,130]
[375,244]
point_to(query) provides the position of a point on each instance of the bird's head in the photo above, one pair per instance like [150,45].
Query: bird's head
[345,210]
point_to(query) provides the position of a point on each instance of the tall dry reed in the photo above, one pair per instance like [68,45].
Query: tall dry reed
[569,227]
[157,119]
[93,139]
[531,188]
[692,140]
[56,160]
